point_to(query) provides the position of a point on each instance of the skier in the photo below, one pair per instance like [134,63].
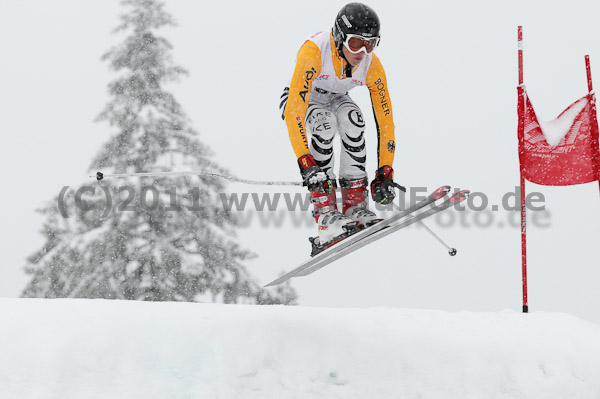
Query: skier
[328,65]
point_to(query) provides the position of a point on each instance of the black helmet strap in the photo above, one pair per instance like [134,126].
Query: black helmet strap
[340,48]
[348,69]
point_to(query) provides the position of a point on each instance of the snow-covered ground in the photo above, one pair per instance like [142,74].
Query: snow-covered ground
[113,349]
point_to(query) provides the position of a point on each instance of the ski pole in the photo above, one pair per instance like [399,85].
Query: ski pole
[99,176]
[451,251]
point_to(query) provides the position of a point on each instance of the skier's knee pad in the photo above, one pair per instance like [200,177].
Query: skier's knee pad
[354,154]
[351,123]
[321,123]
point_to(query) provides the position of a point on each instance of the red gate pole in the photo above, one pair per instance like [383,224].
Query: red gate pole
[521,111]
[592,99]
[520,47]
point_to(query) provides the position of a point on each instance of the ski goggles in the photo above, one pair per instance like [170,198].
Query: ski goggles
[355,43]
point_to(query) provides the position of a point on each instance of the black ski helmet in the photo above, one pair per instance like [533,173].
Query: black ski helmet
[357,19]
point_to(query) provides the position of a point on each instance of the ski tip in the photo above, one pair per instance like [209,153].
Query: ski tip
[460,196]
[441,192]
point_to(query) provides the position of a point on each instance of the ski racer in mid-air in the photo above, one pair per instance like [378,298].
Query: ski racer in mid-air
[328,65]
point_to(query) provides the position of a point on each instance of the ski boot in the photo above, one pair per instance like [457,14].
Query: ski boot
[332,224]
[354,202]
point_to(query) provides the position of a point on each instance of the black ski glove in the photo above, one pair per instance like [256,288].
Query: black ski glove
[313,176]
[382,187]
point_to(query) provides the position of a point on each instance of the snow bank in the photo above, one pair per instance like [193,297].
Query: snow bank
[112,349]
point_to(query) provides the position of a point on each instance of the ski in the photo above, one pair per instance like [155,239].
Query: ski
[455,199]
[352,236]
[430,199]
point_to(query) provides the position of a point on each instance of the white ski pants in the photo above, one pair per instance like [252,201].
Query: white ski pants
[327,114]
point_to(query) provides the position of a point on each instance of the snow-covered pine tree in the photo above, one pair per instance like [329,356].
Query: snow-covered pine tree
[166,239]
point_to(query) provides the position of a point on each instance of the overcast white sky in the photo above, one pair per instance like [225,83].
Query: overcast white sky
[452,74]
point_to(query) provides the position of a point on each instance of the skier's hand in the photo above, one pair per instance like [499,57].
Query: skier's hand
[382,187]
[313,176]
